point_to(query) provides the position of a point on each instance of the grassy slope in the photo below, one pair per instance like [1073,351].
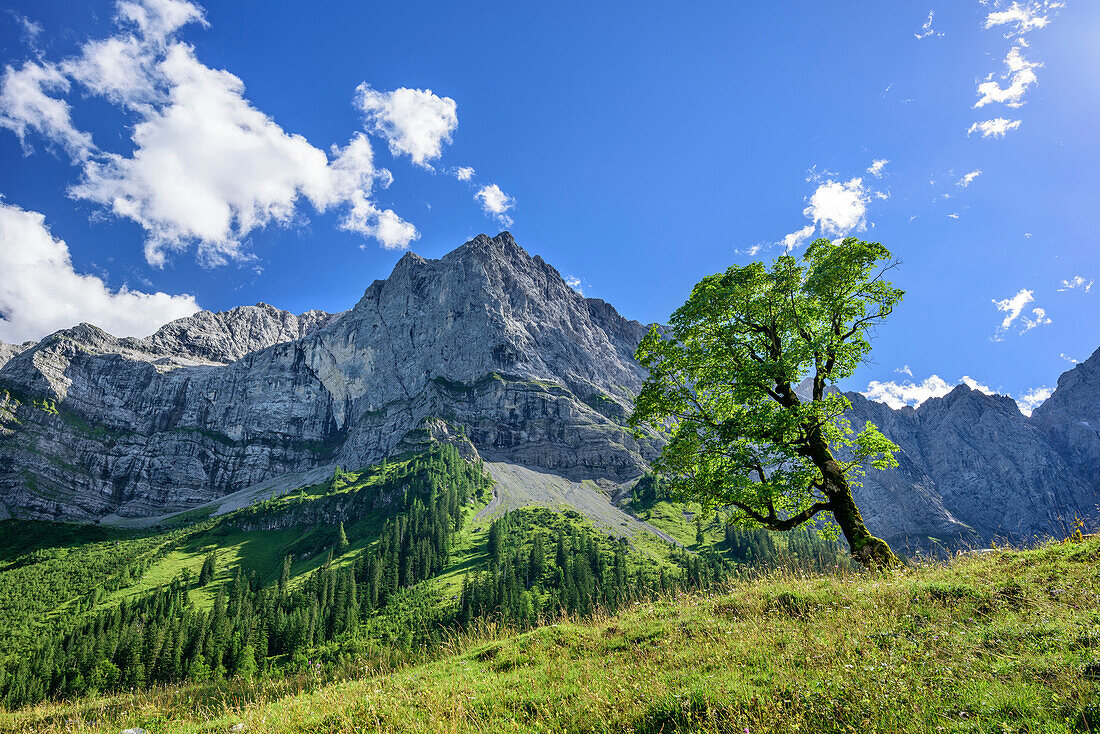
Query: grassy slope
[64,564]
[1004,641]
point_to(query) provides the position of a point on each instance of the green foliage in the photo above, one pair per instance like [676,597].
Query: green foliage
[722,384]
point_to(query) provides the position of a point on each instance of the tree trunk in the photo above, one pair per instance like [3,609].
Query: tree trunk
[872,552]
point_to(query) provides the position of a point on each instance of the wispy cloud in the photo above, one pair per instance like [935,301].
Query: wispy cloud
[995,128]
[1022,17]
[968,179]
[877,167]
[1075,283]
[1013,309]
[926,30]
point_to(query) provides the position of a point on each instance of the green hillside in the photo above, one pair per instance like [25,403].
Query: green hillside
[1005,641]
[382,566]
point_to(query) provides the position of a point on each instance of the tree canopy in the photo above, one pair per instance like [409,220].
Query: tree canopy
[739,382]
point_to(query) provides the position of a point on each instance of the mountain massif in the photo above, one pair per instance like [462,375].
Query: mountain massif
[487,344]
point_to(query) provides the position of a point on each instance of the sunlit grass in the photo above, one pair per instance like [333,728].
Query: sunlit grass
[999,642]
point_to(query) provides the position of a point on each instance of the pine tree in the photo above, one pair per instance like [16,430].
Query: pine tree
[341,539]
[209,568]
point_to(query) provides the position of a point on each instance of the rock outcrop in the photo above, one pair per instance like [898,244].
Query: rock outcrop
[971,467]
[488,338]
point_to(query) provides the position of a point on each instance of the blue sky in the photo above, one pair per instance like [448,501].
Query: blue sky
[185,157]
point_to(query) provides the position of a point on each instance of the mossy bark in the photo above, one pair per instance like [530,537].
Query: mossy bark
[872,552]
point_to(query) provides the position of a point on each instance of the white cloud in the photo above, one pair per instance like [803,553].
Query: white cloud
[1023,18]
[926,29]
[1075,282]
[207,167]
[897,395]
[31,29]
[463,173]
[41,292]
[26,106]
[995,128]
[574,283]
[904,371]
[953,215]
[1033,398]
[495,203]
[836,208]
[1021,75]
[1038,318]
[839,208]
[794,239]
[1068,358]
[156,20]
[1013,308]
[415,122]
[877,167]
[968,178]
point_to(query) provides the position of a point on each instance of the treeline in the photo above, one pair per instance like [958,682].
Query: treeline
[251,628]
[540,565]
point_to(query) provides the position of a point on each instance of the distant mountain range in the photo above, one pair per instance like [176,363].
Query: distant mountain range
[492,343]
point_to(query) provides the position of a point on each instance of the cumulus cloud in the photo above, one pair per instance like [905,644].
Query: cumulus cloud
[575,283]
[968,179]
[414,122]
[27,106]
[207,167]
[836,208]
[839,208]
[1013,309]
[1033,398]
[995,128]
[1022,17]
[495,203]
[463,173]
[1076,282]
[1021,75]
[41,292]
[898,395]
[926,29]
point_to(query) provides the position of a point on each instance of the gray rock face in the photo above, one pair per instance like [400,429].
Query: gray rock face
[971,466]
[1070,418]
[488,338]
[221,338]
[7,351]
[486,348]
